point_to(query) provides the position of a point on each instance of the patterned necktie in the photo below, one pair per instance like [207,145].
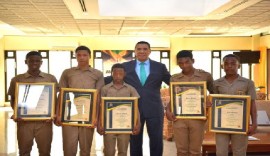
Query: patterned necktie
[142,73]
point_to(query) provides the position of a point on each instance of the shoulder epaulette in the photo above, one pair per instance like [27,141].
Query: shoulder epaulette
[201,71]
[176,75]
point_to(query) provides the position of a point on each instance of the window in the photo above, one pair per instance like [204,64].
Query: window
[211,61]
[56,67]
[216,64]
[202,60]
[10,69]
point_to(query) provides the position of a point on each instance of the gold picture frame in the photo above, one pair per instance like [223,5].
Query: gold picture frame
[34,101]
[119,114]
[78,107]
[188,99]
[229,113]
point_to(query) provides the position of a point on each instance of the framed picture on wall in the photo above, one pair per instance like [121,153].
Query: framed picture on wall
[104,59]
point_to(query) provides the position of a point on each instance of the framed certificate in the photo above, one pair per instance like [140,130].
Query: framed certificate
[34,101]
[119,114]
[78,106]
[229,113]
[188,99]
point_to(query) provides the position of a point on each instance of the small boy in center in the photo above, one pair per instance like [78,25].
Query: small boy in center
[118,88]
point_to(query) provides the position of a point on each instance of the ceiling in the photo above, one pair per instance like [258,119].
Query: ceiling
[66,18]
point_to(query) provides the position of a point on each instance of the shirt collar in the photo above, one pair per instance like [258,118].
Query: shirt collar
[27,75]
[196,73]
[111,84]
[89,68]
[147,62]
[239,78]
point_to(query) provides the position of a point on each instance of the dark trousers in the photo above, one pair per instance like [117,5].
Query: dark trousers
[154,129]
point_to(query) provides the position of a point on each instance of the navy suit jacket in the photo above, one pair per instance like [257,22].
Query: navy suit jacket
[150,104]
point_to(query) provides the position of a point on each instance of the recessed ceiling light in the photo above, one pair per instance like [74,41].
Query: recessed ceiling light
[158,8]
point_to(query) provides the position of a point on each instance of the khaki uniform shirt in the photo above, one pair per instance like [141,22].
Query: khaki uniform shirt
[240,86]
[122,139]
[199,75]
[84,79]
[26,77]
[125,91]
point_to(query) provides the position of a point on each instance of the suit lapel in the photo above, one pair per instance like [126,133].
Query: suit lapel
[133,72]
[134,75]
[150,71]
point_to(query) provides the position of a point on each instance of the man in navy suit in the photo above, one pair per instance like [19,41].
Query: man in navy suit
[147,84]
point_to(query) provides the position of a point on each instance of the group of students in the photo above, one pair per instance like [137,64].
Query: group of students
[140,78]
[189,133]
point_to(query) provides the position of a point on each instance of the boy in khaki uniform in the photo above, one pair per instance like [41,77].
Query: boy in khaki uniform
[27,131]
[234,84]
[188,133]
[83,77]
[118,88]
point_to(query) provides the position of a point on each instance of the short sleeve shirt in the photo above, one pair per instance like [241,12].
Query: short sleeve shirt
[240,86]
[83,79]
[26,77]
[199,75]
[125,91]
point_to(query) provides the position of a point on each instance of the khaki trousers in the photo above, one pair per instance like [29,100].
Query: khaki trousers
[239,144]
[41,131]
[110,142]
[188,136]
[74,134]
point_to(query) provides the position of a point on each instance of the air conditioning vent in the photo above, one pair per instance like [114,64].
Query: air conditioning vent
[236,5]
[206,34]
[83,5]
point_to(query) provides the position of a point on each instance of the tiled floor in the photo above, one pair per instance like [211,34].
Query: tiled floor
[8,141]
